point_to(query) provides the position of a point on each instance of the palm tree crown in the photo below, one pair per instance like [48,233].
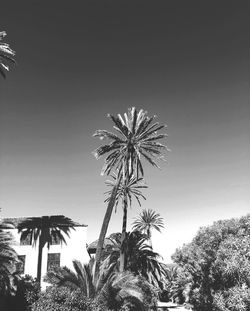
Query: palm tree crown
[127,189]
[148,220]
[137,137]
[6,55]
[48,227]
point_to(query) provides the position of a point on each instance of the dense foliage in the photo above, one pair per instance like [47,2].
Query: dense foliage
[113,290]
[140,258]
[8,259]
[63,299]
[217,266]
[27,291]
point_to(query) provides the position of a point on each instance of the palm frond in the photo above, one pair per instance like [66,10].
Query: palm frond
[6,55]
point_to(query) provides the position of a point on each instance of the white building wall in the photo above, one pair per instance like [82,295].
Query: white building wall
[74,249]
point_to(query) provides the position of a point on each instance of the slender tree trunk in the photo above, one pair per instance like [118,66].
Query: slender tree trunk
[104,229]
[124,229]
[39,261]
[149,237]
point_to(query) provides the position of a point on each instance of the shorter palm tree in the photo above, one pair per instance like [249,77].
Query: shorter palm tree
[45,230]
[6,55]
[146,221]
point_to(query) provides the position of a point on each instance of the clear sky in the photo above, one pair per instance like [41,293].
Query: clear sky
[185,61]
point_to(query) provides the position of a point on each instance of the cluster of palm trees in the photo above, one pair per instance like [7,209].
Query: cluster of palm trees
[136,138]
[113,288]
[131,258]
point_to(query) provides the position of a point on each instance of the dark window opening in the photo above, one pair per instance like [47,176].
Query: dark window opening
[55,240]
[27,240]
[53,261]
[20,264]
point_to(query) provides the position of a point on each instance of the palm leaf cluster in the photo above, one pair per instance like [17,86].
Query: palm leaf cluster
[8,260]
[140,258]
[81,278]
[127,189]
[136,138]
[6,55]
[148,220]
[47,228]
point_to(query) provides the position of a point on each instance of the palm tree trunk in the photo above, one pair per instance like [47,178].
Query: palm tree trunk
[149,237]
[104,229]
[39,261]
[124,228]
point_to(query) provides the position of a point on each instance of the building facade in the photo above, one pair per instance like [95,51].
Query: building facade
[57,254]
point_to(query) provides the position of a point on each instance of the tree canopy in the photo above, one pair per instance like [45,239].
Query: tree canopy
[217,262]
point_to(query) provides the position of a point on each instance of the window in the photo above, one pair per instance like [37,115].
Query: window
[55,240]
[27,240]
[20,264]
[53,261]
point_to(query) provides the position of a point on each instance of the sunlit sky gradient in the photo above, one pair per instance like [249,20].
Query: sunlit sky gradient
[185,61]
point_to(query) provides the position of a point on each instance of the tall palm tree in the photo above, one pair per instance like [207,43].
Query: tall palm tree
[127,189]
[44,230]
[148,220]
[6,55]
[8,260]
[136,138]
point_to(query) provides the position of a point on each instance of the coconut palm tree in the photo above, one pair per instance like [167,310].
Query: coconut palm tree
[127,189]
[6,55]
[45,230]
[148,220]
[8,260]
[136,138]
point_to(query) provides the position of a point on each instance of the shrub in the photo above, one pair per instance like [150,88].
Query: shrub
[235,299]
[27,290]
[63,299]
[217,266]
